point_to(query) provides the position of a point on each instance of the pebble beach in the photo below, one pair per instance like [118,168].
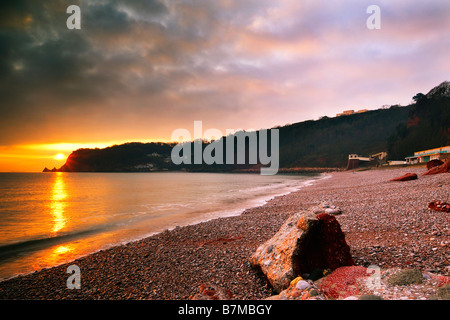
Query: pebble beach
[386,223]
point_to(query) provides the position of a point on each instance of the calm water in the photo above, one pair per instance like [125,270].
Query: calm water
[49,219]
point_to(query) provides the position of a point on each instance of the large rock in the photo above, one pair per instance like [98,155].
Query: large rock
[305,242]
[443,168]
[434,163]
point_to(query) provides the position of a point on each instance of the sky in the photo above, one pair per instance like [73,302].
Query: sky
[138,70]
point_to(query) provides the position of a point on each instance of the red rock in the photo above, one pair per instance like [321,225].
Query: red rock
[342,282]
[434,163]
[439,206]
[443,168]
[406,177]
[209,292]
[442,280]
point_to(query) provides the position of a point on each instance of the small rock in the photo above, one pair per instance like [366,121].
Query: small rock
[302,285]
[325,208]
[443,293]
[335,211]
[212,292]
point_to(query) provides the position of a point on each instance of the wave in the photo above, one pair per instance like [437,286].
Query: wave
[10,250]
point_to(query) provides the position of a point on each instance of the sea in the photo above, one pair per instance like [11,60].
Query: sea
[47,219]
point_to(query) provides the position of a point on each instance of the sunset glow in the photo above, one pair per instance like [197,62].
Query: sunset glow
[59,157]
[137,71]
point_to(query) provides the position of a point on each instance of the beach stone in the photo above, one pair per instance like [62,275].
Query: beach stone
[443,168]
[441,279]
[439,206]
[335,211]
[406,277]
[406,177]
[443,293]
[304,242]
[212,292]
[302,285]
[434,163]
[300,289]
[325,208]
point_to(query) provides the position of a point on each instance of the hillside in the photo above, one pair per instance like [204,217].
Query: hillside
[428,124]
[328,142]
[322,143]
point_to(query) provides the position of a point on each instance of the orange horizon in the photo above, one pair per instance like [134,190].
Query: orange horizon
[35,157]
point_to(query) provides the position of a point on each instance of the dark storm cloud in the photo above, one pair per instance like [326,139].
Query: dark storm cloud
[48,70]
[152,63]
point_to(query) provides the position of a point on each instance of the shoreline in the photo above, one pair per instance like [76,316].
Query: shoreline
[386,224]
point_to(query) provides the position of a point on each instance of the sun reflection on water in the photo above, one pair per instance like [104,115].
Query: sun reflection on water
[58,203]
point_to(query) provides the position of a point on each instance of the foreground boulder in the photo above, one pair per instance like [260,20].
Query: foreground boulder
[406,177]
[304,243]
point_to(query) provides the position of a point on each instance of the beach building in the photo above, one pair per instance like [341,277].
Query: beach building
[377,159]
[430,154]
[396,162]
[350,112]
